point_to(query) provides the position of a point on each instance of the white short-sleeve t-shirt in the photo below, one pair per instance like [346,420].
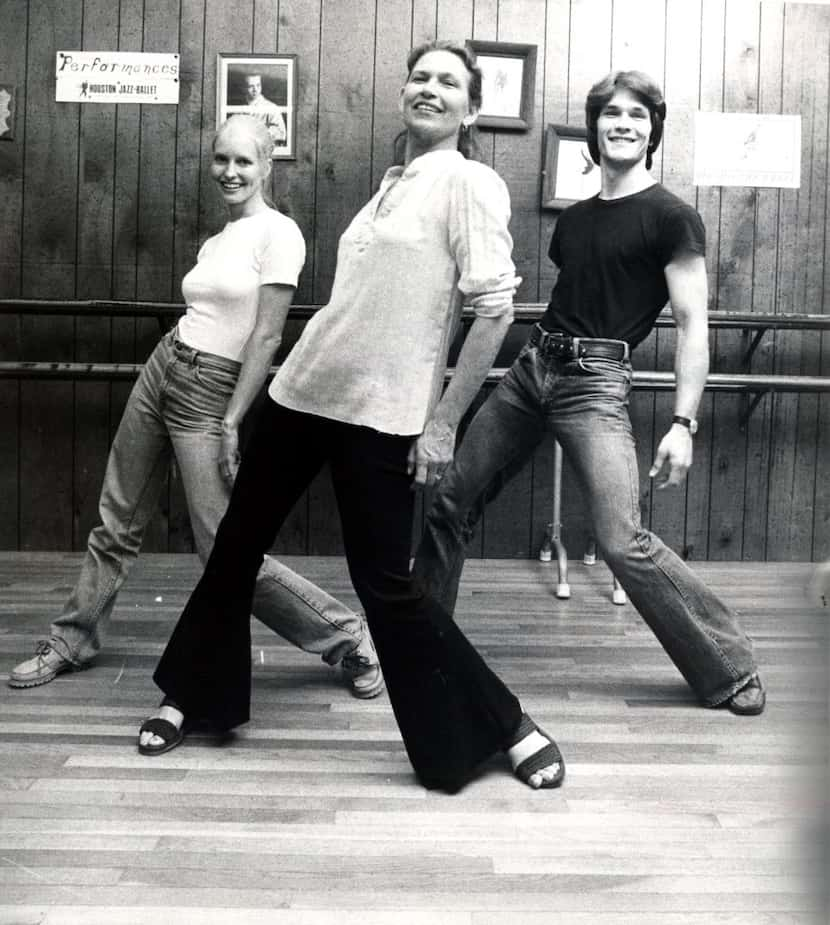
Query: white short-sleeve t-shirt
[222,290]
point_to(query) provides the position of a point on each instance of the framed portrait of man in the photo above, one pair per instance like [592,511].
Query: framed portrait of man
[264,86]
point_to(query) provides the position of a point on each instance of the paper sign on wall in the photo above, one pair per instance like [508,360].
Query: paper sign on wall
[116,77]
[747,149]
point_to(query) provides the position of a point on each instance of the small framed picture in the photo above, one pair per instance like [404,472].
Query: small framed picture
[509,72]
[570,173]
[264,86]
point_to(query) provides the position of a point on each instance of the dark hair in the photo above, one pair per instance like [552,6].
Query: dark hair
[640,85]
[467,143]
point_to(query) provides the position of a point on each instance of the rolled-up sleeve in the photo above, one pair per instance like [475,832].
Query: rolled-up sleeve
[480,240]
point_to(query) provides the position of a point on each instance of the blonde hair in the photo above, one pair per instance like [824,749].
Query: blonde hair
[263,143]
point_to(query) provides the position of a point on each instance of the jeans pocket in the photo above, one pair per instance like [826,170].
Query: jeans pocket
[217,378]
[619,370]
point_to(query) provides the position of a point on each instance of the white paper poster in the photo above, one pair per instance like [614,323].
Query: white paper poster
[747,149]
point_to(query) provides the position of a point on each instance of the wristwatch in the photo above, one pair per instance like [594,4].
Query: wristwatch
[690,423]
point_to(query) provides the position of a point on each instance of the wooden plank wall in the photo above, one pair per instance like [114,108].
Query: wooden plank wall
[105,201]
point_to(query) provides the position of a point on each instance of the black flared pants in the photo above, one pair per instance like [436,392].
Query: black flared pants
[452,710]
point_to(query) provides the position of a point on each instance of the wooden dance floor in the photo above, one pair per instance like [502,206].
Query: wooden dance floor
[310,815]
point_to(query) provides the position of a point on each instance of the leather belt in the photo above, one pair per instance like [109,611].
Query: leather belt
[563,346]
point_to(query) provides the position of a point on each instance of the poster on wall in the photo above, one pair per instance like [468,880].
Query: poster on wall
[264,86]
[116,77]
[747,149]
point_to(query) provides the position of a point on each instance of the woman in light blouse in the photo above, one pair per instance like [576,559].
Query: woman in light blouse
[361,391]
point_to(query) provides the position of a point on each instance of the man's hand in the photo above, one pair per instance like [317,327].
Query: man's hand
[675,450]
[229,455]
[431,453]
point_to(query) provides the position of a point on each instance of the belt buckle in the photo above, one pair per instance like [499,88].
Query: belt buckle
[562,346]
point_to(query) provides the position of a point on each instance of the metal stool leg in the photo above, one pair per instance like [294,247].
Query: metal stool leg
[590,557]
[553,536]
[618,596]
[553,540]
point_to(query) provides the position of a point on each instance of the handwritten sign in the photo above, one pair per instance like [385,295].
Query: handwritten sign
[747,149]
[116,77]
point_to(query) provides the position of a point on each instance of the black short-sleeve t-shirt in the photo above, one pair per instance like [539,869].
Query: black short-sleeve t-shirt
[611,255]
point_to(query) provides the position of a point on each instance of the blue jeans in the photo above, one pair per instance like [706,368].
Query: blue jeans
[584,403]
[176,408]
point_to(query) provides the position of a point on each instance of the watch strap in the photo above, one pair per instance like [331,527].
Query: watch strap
[688,423]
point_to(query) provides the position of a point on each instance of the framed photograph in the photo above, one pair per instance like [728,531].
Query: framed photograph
[509,72]
[570,173]
[264,86]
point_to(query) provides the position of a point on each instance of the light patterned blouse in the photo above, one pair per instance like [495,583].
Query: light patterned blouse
[434,235]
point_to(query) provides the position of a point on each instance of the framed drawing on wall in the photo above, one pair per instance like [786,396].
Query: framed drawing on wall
[569,173]
[264,86]
[509,79]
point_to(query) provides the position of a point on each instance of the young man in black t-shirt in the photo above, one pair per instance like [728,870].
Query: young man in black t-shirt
[621,256]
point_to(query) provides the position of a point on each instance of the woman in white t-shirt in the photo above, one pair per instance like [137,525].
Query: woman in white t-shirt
[188,402]
[361,391]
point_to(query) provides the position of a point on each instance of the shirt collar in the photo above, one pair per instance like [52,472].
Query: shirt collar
[432,161]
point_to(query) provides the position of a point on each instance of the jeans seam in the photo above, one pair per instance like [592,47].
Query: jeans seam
[700,624]
[95,615]
[110,587]
[311,605]
[733,689]
[63,649]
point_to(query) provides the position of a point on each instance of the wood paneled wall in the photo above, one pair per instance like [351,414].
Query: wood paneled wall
[106,201]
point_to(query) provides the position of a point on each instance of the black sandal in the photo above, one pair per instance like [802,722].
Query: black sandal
[547,755]
[164,729]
